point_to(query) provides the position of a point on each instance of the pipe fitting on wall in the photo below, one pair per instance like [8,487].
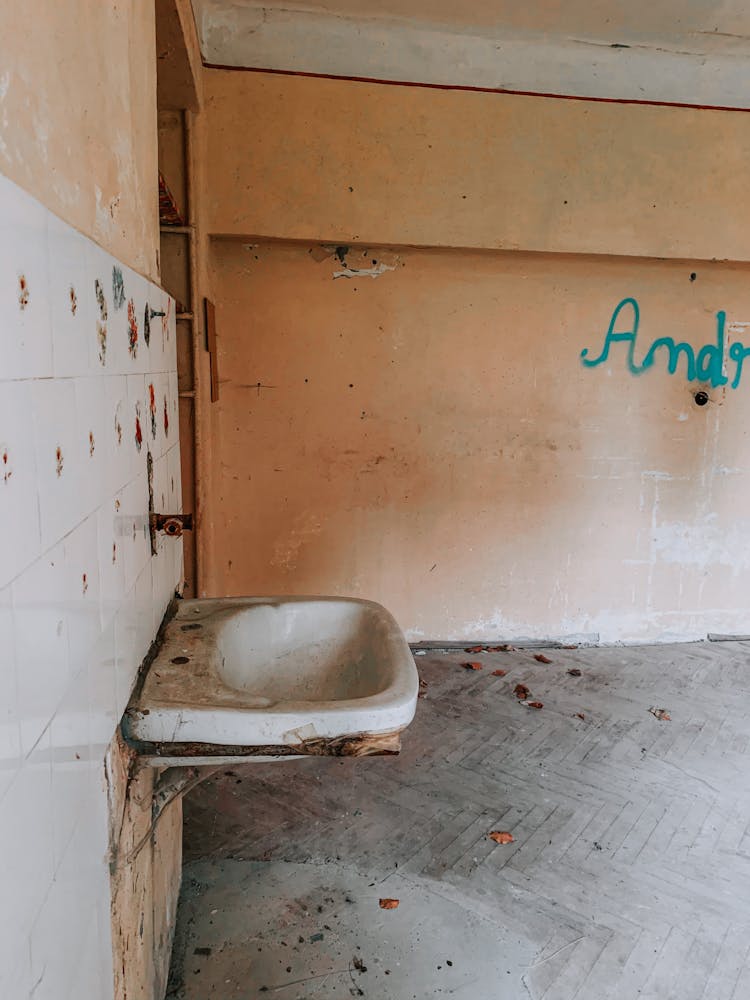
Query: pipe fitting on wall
[171,524]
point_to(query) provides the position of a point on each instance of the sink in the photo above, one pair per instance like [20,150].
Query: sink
[270,678]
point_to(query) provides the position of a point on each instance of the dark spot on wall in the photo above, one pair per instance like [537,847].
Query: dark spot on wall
[180,659]
[701,398]
[92,444]
[59,461]
[693,275]
[84,583]
[73,300]
[166,423]
[147,325]
[341,253]
[23,292]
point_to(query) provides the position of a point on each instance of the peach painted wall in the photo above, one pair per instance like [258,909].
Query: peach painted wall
[429,438]
[335,160]
[78,118]
[426,434]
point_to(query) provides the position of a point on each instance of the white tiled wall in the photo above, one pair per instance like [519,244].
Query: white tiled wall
[83,400]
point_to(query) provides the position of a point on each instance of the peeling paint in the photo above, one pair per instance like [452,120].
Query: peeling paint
[364,272]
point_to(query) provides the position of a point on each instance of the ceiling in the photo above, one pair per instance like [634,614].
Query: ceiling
[685,51]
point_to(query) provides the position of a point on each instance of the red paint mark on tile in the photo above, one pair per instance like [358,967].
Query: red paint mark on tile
[59,461]
[23,291]
[92,444]
[166,417]
[132,330]
[138,433]
[73,300]
[152,408]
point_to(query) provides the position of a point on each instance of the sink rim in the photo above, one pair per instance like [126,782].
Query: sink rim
[285,724]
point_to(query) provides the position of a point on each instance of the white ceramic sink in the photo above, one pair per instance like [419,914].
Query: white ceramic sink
[264,677]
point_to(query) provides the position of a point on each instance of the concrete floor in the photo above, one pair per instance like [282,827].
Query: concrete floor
[628,877]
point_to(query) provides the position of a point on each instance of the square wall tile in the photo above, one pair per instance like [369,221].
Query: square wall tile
[41,625]
[94,438]
[20,530]
[69,757]
[82,588]
[26,343]
[10,729]
[26,839]
[72,302]
[63,491]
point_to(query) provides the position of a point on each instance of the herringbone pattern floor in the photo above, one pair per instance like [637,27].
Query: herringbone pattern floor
[628,877]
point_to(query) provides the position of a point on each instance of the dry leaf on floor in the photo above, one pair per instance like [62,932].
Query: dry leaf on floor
[472,665]
[501,837]
[422,689]
[504,648]
[574,672]
[580,715]
[534,704]
[499,673]
[541,658]
[475,649]
[389,904]
[661,714]
[521,692]
[570,647]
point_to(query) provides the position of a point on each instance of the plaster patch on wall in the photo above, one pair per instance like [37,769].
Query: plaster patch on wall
[706,541]
[286,551]
[364,272]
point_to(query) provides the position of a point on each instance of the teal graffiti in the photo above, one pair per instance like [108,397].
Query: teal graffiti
[706,366]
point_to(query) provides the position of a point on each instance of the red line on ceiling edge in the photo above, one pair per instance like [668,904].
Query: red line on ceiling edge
[477,90]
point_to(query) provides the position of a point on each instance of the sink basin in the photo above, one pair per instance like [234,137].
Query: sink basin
[269,678]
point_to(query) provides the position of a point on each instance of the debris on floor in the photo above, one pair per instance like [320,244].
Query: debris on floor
[661,714]
[574,672]
[389,904]
[541,658]
[505,647]
[580,715]
[533,704]
[472,665]
[499,673]
[521,692]
[501,836]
